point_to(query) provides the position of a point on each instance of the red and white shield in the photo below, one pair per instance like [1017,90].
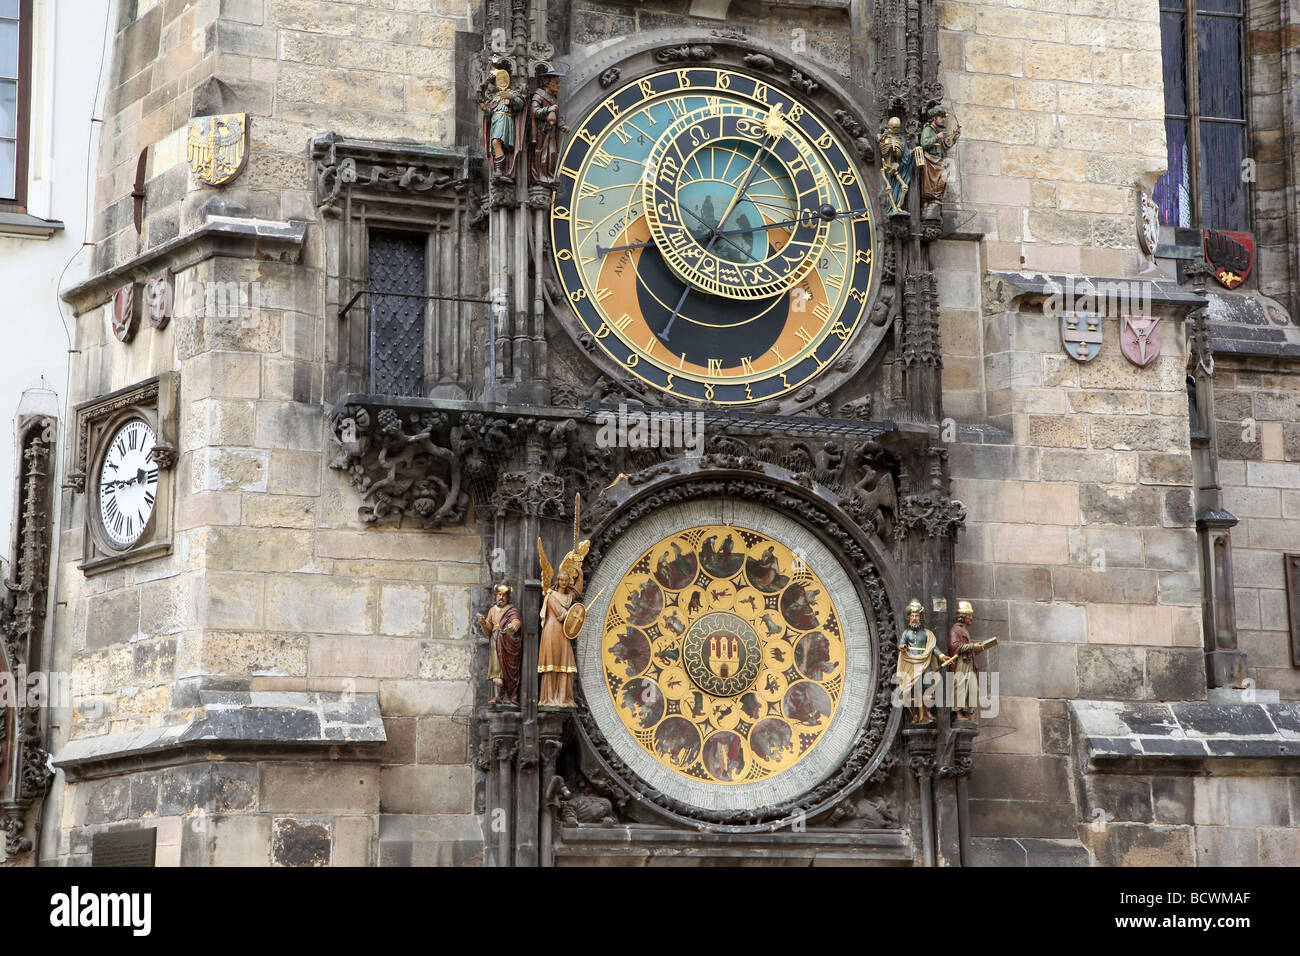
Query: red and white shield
[125,317]
[1139,338]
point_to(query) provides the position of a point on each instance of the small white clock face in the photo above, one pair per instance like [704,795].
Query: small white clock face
[128,484]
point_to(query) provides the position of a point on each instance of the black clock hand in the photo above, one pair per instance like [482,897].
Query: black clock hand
[717,230]
[825,212]
[641,245]
[830,215]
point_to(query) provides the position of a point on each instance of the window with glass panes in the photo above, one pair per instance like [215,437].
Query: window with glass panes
[14,77]
[1205,116]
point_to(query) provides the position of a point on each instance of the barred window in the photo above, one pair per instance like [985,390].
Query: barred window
[1205,116]
[398,284]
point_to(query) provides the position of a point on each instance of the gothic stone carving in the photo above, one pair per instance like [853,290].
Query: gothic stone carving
[383,169]
[402,466]
[22,623]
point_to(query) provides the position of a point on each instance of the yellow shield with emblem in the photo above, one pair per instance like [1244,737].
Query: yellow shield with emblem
[574,620]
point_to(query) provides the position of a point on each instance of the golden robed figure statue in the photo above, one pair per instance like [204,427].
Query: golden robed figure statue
[562,618]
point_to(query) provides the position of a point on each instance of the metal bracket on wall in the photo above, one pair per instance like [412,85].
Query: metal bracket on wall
[343,312]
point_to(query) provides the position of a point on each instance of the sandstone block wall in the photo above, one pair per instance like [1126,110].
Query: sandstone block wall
[273,582]
[1258,411]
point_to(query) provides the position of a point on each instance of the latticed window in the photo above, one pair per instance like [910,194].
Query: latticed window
[1205,116]
[398,284]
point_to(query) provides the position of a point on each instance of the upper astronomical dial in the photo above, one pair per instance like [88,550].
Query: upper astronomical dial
[712,236]
[732,195]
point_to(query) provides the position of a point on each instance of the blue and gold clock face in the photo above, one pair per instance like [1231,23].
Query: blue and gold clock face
[713,235]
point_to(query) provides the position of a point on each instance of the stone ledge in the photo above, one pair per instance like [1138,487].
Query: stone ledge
[1164,736]
[1251,325]
[1020,285]
[22,225]
[217,236]
[287,723]
[632,843]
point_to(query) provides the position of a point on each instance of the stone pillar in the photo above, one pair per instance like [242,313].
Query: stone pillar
[920,744]
[503,745]
[952,808]
[551,734]
[1225,665]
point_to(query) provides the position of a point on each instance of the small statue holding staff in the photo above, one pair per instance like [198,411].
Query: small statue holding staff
[961,662]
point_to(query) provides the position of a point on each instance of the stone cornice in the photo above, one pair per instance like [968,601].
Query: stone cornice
[217,236]
[262,723]
[1161,292]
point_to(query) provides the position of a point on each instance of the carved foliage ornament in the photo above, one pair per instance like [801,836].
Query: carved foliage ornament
[403,466]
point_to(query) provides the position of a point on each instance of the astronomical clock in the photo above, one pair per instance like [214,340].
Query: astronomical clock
[713,236]
[714,243]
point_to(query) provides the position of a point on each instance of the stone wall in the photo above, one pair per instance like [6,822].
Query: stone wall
[1257,404]
[1061,103]
[297,67]
[273,583]
[1079,549]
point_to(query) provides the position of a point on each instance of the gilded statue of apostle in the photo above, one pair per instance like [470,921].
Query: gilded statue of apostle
[917,654]
[503,625]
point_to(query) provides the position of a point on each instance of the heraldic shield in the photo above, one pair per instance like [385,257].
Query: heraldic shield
[1231,256]
[218,147]
[1081,335]
[1139,338]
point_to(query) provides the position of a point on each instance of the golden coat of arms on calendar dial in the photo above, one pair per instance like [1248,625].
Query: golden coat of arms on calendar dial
[723,654]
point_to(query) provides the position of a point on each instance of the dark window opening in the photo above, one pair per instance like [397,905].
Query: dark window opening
[398,275]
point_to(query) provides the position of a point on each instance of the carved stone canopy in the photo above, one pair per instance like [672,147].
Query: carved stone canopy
[380,171]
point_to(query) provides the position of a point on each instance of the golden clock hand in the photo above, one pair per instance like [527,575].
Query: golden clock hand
[775,125]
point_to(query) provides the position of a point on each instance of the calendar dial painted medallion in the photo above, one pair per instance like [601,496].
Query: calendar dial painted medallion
[723,655]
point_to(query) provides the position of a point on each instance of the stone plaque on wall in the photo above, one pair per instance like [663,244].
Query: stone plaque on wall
[124,848]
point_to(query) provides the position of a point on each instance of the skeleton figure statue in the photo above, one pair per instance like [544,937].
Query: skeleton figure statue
[896,165]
